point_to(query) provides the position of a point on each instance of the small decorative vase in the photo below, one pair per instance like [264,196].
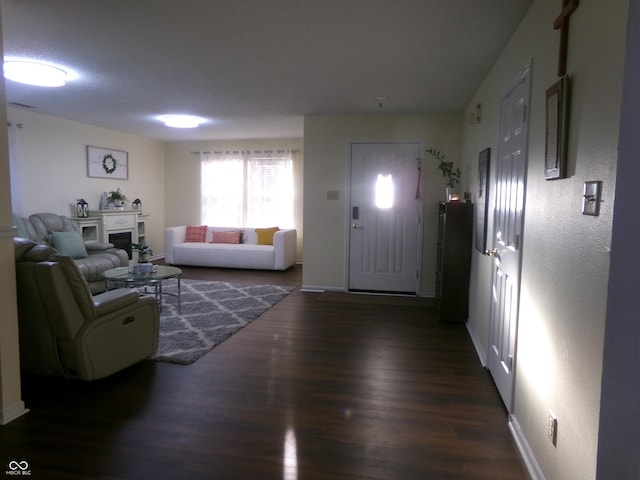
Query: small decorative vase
[452,194]
[143,258]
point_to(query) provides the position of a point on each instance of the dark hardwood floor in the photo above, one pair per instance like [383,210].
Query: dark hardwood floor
[316,388]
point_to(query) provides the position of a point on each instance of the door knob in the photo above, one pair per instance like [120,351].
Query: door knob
[492,253]
[356,226]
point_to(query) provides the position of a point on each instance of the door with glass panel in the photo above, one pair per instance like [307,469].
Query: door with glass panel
[384,217]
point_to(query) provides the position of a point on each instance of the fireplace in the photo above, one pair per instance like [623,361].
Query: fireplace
[121,240]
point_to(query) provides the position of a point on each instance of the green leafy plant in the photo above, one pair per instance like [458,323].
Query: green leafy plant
[142,248]
[451,175]
[116,196]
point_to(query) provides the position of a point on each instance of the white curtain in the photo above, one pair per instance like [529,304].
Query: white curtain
[248,188]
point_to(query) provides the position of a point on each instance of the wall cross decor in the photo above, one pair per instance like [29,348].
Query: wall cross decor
[562,23]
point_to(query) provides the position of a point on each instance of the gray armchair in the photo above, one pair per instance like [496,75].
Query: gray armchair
[95,257]
[65,331]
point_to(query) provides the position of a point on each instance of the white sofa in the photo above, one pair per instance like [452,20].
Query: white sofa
[248,254]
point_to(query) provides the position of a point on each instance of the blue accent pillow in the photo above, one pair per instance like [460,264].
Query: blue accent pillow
[69,244]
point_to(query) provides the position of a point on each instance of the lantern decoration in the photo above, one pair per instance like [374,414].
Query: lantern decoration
[137,205]
[82,208]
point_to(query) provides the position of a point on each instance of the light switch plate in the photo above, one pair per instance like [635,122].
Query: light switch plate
[591,198]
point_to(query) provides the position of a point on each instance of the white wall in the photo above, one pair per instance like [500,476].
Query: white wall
[51,166]
[326,140]
[11,404]
[619,433]
[565,254]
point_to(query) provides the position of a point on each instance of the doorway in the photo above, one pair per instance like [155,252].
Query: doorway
[384,217]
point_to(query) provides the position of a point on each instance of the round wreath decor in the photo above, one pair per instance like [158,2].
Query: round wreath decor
[109,163]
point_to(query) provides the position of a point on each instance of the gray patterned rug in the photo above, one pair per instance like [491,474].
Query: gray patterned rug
[211,312]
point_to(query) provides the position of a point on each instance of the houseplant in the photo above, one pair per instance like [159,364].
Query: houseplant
[117,198]
[143,250]
[451,175]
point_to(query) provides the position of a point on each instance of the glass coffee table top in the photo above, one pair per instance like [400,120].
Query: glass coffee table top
[128,277]
[125,274]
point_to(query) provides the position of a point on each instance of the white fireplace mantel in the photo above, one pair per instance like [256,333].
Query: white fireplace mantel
[117,221]
[102,223]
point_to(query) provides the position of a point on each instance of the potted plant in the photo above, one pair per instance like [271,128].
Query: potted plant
[451,175]
[143,250]
[117,198]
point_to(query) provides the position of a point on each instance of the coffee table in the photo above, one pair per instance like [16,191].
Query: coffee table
[125,277]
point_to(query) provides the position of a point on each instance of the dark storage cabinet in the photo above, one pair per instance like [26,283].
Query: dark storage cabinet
[455,232]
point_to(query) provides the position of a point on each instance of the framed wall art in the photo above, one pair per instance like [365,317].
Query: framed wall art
[482,205]
[107,163]
[556,132]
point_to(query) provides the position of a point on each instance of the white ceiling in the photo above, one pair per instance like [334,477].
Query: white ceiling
[254,68]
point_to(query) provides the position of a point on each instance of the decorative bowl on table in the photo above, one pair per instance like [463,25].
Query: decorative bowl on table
[143,268]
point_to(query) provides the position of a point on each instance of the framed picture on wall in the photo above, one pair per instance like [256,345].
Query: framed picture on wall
[482,205]
[107,163]
[557,124]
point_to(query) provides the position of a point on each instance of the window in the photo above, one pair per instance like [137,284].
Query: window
[384,191]
[248,188]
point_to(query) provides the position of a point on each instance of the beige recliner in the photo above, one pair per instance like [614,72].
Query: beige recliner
[97,258]
[65,331]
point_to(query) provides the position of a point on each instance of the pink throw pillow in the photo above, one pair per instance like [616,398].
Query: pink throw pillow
[226,237]
[196,233]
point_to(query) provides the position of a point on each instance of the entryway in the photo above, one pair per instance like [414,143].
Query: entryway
[384,217]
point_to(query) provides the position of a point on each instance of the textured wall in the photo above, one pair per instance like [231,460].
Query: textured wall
[565,254]
[326,140]
[51,158]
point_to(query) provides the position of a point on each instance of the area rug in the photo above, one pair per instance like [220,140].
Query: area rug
[210,313]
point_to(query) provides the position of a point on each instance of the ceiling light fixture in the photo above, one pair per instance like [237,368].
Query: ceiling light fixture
[34,73]
[182,121]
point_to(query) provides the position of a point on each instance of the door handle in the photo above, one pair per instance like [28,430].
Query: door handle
[356,226]
[492,253]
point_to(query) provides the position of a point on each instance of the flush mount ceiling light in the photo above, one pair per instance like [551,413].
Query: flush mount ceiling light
[34,73]
[182,121]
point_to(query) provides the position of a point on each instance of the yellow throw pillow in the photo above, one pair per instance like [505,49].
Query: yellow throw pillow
[265,235]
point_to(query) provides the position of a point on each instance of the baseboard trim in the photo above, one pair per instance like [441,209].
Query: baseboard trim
[10,414]
[320,289]
[482,355]
[323,288]
[530,462]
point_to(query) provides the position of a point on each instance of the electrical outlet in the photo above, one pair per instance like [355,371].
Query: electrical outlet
[552,428]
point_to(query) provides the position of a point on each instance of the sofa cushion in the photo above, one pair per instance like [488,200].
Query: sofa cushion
[225,237]
[46,223]
[224,255]
[69,244]
[93,266]
[23,227]
[196,233]
[265,235]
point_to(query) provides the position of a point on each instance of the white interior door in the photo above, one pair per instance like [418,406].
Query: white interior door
[384,217]
[507,240]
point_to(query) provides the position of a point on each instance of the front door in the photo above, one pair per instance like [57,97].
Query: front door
[507,241]
[384,217]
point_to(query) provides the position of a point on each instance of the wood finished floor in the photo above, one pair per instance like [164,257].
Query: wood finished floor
[314,389]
